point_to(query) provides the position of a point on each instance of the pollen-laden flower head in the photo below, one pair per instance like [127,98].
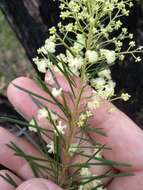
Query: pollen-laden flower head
[106,73]
[41,64]
[132,44]
[109,55]
[85,172]
[83,118]
[92,56]
[98,83]
[50,46]
[110,88]
[75,63]
[125,96]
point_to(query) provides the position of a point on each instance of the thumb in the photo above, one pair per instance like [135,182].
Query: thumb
[38,183]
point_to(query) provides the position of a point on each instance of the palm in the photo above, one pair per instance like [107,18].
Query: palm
[123,136]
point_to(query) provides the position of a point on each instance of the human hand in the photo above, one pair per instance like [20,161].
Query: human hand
[123,136]
[34,184]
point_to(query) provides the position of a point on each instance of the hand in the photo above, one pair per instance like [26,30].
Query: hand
[123,136]
[31,184]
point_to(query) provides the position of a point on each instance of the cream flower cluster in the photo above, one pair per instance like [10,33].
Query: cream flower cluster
[104,85]
[85,44]
[83,118]
[59,129]
[125,96]
[93,49]
[85,172]
[73,149]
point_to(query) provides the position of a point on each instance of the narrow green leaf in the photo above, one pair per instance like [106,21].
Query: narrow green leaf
[9,179]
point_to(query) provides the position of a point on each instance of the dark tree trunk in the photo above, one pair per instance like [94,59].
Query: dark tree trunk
[30,19]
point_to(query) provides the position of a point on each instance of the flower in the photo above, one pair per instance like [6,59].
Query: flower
[60,128]
[73,149]
[83,118]
[42,113]
[85,172]
[94,103]
[132,44]
[76,62]
[105,73]
[53,116]
[56,92]
[92,56]
[52,30]
[51,148]
[89,114]
[125,96]
[42,50]
[41,64]
[62,58]
[131,36]
[138,59]
[109,89]
[50,46]
[32,126]
[110,55]
[98,83]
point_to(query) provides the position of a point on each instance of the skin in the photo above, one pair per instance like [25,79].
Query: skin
[123,136]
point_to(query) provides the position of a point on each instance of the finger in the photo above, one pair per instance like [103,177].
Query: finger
[23,102]
[104,119]
[38,184]
[15,163]
[50,79]
[88,148]
[124,137]
[64,83]
[29,109]
[4,184]
[132,183]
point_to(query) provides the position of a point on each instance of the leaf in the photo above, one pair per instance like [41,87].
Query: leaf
[9,179]
[96,130]
[33,161]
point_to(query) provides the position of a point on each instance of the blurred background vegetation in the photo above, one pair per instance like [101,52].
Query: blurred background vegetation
[13,60]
